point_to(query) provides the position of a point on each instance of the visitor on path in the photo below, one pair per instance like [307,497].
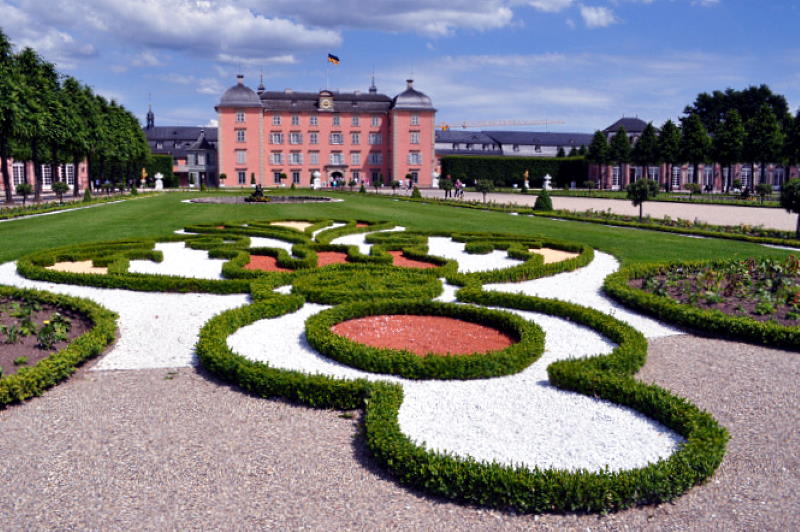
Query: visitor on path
[459,188]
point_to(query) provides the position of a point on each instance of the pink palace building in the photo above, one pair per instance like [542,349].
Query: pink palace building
[330,136]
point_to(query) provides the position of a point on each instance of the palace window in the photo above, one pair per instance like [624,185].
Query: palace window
[313,120]
[676,177]
[47,175]
[515,147]
[69,172]
[313,138]
[18,171]
[336,158]
[355,138]
[376,121]
[355,176]
[296,177]
[276,120]
[414,120]
[414,157]
[354,121]
[778,177]
[295,137]
[415,137]
[239,116]
[467,147]
[313,157]
[276,138]
[201,159]
[295,120]
[336,138]
[276,177]
[295,158]
[355,158]
[241,156]
[375,157]
[456,146]
[747,176]
[690,174]
[240,135]
[375,138]
[276,157]
[336,120]
[241,177]
[414,176]
[652,173]
[708,176]
[537,148]
[159,145]
[376,175]
[615,176]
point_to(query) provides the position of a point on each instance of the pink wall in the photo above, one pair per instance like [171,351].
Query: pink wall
[81,176]
[395,136]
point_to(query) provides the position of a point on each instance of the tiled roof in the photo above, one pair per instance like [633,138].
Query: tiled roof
[463,137]
[631,125]
[540,138]
[180,133]
[342,101]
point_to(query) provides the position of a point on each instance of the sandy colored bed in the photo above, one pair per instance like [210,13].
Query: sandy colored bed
[300,226]
[553,255]
[83,266]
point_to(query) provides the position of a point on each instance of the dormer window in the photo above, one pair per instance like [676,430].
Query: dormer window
[336,120]
[276,120]
[415,120]
[240,116]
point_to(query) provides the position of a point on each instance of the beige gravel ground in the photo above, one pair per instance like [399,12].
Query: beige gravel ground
[553,255]
[164,450]
[82,266]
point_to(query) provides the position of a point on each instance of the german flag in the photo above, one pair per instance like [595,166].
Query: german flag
[333,59]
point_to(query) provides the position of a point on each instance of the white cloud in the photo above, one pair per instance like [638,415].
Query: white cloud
[550,6]
[213,122]
[597,16]
[286,59]
[147,59]
[705,3]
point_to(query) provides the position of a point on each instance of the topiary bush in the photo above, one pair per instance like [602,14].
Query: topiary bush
[543,202]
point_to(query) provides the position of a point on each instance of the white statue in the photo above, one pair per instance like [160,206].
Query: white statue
[547,180]
[159,181]
[315,183]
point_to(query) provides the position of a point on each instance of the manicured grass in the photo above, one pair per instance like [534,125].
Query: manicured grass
[163,214]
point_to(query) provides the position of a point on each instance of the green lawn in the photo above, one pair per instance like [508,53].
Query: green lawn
[163,214]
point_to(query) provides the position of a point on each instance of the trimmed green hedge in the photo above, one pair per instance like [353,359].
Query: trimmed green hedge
[508,171]
[528,347]
[34,380]
[340,283]
[467,480]
[709,320]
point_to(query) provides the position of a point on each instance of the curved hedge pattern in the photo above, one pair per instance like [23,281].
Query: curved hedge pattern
[342,283]
[709,320]
[515,358]
[34,380]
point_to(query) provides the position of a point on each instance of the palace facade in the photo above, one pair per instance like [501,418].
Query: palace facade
[330,136]
[23,172]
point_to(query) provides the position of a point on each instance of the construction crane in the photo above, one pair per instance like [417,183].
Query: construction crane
[491,123]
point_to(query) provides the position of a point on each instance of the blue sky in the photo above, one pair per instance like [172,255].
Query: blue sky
[585,63]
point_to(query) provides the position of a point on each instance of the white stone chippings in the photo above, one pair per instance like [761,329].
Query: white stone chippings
[584,287]
[182,261]
[517,419]
[326,228]
[358,239]
[156,330]
[263,242]
[468,262]
[774,246]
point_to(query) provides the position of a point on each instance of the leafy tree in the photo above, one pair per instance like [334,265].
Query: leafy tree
[582,150]
[395,185]
[598,152]
[60,188]
[415,193]
[376,182]
[763,190]
[620,147]
[560,152]
[695,144]
[640,191]
[669,147]
[484,186]
[572,152]
[693,188]
[790,200]
[712,108]
[764,139]
[9,109]
[645,152]
[728,146]
[791,147]
[35,85]
[24,190]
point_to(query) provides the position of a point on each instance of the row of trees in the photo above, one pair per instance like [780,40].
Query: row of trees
[753,125]
[48,118]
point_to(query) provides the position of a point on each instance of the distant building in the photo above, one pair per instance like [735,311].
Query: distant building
[23,172]
[335,137]
[511,143]
[193,150]
[633,127]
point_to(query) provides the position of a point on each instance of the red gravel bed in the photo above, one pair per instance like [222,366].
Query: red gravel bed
[404,262]
[265,263]
[325,258]
[423,334]
[362,225]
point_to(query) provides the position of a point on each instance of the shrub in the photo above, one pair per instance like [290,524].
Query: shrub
[60,188]
[87,195]
[543,202]
[415,193]
[24,190]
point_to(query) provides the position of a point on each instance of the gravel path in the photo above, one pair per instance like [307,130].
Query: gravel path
[160,450]
[714,214]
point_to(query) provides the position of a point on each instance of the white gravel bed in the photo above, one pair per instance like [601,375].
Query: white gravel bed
[184,232]
[445,247]
[181,261]
[156,330]
[263,242]
[358,239]
[584,287]
[518,419]
[796,250]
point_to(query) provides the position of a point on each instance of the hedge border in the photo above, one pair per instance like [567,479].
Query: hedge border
[335,284]
[528,347]
[708,320]
[34,380]
[490,484]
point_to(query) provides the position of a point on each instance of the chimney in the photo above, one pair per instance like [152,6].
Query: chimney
[409,84]
[240,79]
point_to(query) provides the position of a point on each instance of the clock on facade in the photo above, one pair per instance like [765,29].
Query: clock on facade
[325,103]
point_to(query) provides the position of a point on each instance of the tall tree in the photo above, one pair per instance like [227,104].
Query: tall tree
[645,151]
[712,108]
[598,153]
[9,110]
[728,145]
[695,146]
[791,146]
[76,146]
[35,78]
[619,150]
[669,147]
[764,141]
